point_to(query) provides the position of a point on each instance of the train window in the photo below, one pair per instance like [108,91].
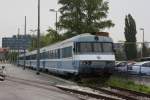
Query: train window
[30,57]
[46,55]
[41,55]
[58,53]
[51,54]
[27,57]
[67,52]
[50,57]
[107,47]
[93,47]
[34,57]
[97,47]
[85,47]
[54,54]
[20,58]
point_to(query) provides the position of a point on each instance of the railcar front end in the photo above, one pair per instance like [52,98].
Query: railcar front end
[94,57]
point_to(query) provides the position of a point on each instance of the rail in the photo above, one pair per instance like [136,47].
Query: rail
[124,93]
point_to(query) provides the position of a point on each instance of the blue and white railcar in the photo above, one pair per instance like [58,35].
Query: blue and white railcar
[81,54]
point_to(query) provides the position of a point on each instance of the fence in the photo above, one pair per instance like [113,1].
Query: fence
[132,51]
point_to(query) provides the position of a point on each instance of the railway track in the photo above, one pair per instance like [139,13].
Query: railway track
[45,85]
[124,93]
[94,94]
[139,94]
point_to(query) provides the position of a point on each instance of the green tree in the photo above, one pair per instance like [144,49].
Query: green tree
[145,50]
[51,37]
[34,43]
[120,54]
[130,36]
[83,16]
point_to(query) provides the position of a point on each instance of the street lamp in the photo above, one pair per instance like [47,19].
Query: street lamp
[142,29]
[56,11]
[142,52]
[24,48]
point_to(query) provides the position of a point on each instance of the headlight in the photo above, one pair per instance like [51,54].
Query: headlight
[86,63]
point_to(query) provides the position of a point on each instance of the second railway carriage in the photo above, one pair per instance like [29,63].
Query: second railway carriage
[82,54]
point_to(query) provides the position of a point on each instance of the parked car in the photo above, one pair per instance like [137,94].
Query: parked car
[145,59]
[124,66]
[141,68]
[121,66]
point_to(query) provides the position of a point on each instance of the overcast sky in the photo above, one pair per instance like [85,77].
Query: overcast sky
[12,14]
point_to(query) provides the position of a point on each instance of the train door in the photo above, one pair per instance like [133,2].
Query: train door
[59,62]
[74,62]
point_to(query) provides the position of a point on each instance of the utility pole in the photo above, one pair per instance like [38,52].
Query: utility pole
[25,32]
[18,47]
[38,40]
[25,28]
[56,21]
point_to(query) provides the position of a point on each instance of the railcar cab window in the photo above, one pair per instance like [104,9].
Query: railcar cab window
[93,47]
[85,47]
[107,47]
[97,47]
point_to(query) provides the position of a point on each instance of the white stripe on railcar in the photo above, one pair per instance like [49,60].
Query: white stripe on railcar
[95,57]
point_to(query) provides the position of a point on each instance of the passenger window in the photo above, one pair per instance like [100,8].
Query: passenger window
[67,52]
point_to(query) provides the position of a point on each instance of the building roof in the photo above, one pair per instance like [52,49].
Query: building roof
[3,50]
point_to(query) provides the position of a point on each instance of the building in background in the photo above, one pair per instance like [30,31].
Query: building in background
[15,43]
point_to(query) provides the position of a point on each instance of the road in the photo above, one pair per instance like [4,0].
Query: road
[10,90]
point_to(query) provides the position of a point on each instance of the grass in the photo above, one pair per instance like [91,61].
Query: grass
[93,81]
[123,82]
[116,81]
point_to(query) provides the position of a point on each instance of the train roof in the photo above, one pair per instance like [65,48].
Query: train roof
[86,37]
